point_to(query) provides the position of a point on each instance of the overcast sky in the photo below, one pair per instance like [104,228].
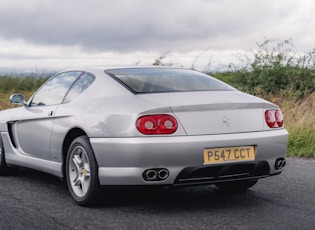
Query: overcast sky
[63,33]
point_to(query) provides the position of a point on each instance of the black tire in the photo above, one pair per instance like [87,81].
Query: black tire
[236,186]
[82,172]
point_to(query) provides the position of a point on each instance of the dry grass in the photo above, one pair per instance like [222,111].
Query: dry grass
[5,99]
[300,122]
[300,113]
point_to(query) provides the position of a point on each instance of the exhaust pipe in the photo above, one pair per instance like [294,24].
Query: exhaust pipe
[150,175]
[163,174]
[155,174]
[280,163]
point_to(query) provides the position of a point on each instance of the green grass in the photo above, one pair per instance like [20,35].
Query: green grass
[301,142]
[300,123]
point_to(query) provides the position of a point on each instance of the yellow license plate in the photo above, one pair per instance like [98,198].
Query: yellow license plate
[230,154]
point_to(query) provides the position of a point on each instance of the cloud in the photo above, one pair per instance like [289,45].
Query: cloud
[53,28]
[132,25]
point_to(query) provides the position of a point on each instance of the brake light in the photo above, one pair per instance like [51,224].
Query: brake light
[156,124]
[274,118]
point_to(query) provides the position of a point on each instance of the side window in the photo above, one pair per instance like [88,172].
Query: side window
[55,89]
[84,81]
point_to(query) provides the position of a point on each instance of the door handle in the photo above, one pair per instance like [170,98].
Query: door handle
[51,113]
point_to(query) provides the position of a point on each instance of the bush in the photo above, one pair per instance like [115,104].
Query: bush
[273,67]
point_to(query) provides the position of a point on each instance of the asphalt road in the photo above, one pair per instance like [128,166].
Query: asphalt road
[34,200]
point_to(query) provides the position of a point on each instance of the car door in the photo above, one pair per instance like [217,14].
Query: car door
[33,123]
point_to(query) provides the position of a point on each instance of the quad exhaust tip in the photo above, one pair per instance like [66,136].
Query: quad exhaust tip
[155,174]
[280,163]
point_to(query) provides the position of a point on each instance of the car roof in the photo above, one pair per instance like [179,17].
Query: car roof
[111,67]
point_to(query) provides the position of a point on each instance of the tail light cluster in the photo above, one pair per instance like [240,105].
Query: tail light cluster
[274,118]
[156,124]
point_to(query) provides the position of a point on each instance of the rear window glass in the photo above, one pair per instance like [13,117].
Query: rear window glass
[158,80]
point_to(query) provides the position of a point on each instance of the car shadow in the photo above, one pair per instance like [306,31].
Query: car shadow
[151,198]
[188,198]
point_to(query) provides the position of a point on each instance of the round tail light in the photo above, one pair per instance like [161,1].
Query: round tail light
[156,124]
[274,118]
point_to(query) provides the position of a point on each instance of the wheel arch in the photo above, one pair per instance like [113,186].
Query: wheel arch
[71,135]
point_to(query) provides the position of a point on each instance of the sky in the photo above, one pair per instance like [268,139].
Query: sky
[203,34]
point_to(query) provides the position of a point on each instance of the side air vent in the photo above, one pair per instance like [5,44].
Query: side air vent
[10,130]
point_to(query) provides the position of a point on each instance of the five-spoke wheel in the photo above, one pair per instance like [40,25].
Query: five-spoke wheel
[81,172]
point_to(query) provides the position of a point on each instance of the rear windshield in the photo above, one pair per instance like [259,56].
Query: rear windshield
[158,80]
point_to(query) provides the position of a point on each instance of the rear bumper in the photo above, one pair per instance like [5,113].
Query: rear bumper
[122,161]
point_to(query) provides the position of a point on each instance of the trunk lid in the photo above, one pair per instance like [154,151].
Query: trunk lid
[215,112]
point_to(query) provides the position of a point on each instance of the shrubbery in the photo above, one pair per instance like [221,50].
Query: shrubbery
[272,69]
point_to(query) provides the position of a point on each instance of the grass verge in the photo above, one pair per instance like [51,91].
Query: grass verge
[300,123]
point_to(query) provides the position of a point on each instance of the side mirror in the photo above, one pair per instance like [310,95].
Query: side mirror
[18,99]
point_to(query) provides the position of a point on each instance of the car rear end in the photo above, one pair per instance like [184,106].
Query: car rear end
[192,136]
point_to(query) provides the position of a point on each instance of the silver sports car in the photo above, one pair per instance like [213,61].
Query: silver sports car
[135,126]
